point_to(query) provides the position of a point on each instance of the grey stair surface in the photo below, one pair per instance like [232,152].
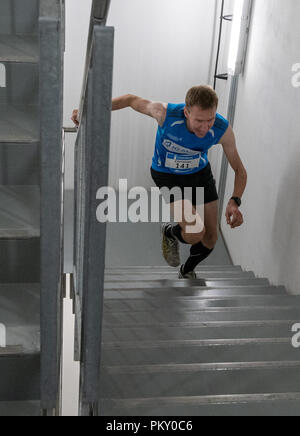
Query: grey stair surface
[166,269]
[194,304]
[221,405]
[19,212]
[200,331]
[19,17]
[20,260]
[31,179]
[200,292]
[174,275]
[21,88]
[219,345]
[216,314]
[20,408]
[19,164]
[153,284]
[19,48]
[201,351]
[20,209]
[19,124]
[20,359]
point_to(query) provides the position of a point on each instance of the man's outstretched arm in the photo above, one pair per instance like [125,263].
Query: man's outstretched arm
[156,110]
[233,214]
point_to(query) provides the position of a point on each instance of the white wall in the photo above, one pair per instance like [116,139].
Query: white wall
[162,48]
[268,133]
[222,87]
[77,25]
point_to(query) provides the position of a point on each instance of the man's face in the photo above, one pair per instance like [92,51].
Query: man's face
[200,121]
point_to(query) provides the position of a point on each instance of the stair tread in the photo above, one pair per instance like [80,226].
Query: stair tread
[180,310]
[197,352]
[137,360]
[208,399]
[200,331]
[285,404]
[126,305]
[197,293]
[226,314]
[206,276]
[155,284]
[174,276]
[19,124]
[199,367]
[168,380]
[20,314]
[168,268]
[20,408]
[221,324]
[20,212]
[193,343]
[19,48]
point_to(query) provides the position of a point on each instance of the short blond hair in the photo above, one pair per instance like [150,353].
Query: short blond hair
[203,96]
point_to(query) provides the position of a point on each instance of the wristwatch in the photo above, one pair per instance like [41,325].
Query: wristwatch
[237,200]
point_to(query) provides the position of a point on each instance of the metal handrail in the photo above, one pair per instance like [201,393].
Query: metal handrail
[99,14]
[70,129]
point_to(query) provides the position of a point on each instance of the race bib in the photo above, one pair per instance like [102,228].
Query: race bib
[182,162]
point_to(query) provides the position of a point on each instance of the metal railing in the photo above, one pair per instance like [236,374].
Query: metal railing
[51,36]
[91,172]
[99,14]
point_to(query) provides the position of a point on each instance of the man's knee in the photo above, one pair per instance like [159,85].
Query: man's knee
[211,238]
[193,237]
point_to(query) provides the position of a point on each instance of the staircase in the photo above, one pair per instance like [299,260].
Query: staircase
[21,210]
[20,207]
[220,345]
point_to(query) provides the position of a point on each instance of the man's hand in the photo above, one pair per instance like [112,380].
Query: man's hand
[233,215]
[75,117]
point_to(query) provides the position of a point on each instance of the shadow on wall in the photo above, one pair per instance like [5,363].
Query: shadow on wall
[286,229]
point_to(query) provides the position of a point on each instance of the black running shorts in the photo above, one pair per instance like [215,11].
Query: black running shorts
[203,178]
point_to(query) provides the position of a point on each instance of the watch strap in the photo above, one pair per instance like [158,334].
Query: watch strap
[237,200]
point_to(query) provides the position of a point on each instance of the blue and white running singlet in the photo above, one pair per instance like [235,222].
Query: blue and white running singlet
[177,150]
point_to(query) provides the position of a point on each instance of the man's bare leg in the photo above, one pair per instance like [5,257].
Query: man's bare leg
[203,239]
[190,221]
[190,230]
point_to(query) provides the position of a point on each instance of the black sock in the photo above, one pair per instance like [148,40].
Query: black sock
[198,253]
[176,231]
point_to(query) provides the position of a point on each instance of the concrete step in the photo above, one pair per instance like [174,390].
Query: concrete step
[20,260]
[168,269]
[192,304]
[19,17]
[198,351]
[20,380]
[173,275]
[199,379]
[196,293]
[22,85]
[20,358]
[19,124]
[19,48]
[228,405]
[19,164]
[20,212]
[20,408]
[20,314]
[214,283]
[201,331]
[226,314]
